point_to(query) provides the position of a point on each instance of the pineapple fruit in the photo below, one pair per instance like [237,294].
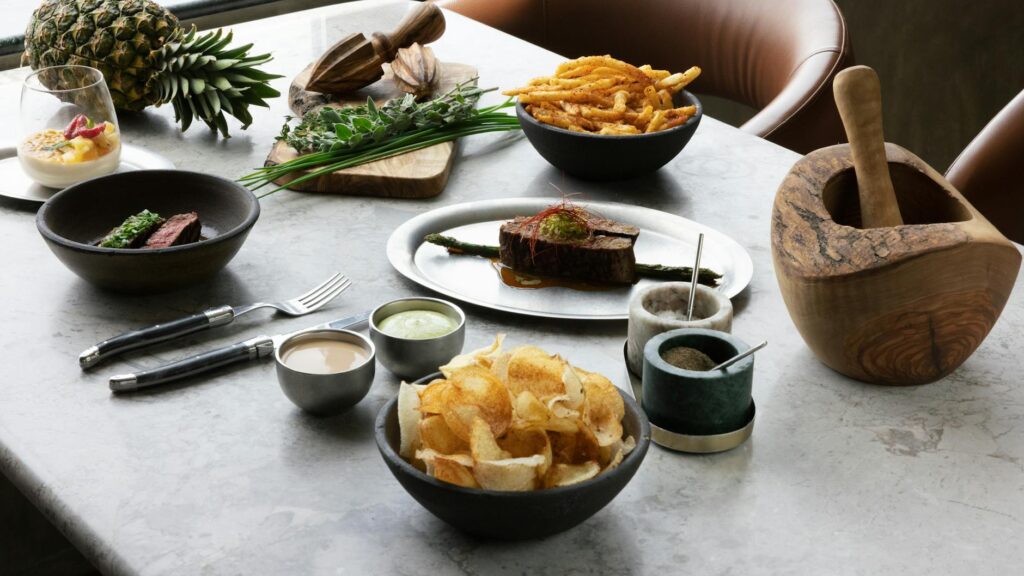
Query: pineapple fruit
[148,59]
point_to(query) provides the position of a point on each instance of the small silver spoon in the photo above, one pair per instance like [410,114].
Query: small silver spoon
[693,278]
[739,356]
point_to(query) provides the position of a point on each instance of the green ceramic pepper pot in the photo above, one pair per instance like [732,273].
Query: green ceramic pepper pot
[697,402]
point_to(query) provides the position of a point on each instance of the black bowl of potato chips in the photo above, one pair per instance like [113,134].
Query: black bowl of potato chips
[599,118]
[512,445]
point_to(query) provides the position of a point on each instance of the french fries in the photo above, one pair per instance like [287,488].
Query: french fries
[602,95]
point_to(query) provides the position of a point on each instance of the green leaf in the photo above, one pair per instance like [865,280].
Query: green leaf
[362,124]
[219,65]
[342,132]
[225,102]
[330,115]
[221,83]
[222,125]
[264,91]
[236,52]
[212,101]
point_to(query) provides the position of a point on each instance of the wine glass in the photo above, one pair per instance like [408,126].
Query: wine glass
[69,130]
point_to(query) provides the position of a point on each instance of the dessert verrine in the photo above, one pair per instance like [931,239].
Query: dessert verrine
[82,150]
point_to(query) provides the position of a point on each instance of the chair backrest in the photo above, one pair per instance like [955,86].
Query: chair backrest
[987,172]
[776,56]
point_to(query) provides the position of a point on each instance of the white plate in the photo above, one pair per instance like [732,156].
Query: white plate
[14,183]
[664,239]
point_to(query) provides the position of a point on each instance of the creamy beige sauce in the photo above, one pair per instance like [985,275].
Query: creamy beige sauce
[324,356]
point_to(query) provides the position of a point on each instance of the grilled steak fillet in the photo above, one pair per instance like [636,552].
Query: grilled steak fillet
[600,257]
[606,227]
[177,230]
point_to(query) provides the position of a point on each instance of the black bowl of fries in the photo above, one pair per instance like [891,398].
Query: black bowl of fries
[599,118]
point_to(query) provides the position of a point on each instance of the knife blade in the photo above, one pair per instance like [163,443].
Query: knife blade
[251,349]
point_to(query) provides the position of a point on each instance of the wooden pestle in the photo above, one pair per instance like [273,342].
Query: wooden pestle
[859,99]
[355,61]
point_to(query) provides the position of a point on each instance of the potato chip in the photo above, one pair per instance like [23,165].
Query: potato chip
[558,406]
[480,357]
[408,420]
[474,391]
[449,470]
[531,441]
[429,456]
[573,384]
[562,425]
[452,468]
[432,397]
[499,367]
[534,370]
[568,474]
[574,447]
[482,444]
[435,435]
[604,408]
[529,409]
[613,454]
[512,474]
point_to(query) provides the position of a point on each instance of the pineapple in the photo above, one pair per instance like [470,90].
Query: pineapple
[148,59]
[81,150]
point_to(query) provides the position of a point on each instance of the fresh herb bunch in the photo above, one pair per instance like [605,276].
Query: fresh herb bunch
[331,139]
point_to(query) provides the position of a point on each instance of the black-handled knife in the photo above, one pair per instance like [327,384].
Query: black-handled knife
[251,349]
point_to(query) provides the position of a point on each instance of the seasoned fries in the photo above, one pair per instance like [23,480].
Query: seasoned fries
[602,95]
[513,420]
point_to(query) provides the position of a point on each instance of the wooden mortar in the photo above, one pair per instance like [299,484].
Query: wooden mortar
[903,304]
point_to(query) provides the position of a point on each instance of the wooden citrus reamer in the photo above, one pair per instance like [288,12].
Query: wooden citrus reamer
[889,274]
[355,61]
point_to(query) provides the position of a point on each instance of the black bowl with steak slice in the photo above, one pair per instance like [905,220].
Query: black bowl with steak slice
[173,256]
[580,246]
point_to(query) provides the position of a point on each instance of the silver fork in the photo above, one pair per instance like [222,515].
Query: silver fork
[309,302]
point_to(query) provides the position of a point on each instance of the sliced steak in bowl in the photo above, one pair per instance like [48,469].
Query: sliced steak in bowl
[177,230]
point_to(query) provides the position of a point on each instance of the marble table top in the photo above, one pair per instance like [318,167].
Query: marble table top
[225,476]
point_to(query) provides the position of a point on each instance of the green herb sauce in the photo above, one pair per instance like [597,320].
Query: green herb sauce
[130,229]
[418,324]
[564,227]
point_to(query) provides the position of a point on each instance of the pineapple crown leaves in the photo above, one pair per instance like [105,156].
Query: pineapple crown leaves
[202,78]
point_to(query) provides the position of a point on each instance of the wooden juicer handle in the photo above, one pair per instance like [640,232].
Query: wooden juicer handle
[423,25]
[859,99]
[354,62]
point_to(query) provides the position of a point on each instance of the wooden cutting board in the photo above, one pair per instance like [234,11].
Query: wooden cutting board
[419,174]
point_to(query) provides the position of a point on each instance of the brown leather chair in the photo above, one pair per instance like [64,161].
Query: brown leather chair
[776,56]
[987,172]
